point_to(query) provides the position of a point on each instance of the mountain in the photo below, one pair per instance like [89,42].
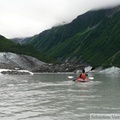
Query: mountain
[21,40]
[93,37]
[7,45]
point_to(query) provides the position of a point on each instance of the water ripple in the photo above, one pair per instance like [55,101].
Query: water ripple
[37,98]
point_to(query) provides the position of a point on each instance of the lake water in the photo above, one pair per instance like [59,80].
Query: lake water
[55,97]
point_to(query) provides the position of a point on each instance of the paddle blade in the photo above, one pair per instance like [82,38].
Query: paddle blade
[92,68]
[91,78]
[70,77]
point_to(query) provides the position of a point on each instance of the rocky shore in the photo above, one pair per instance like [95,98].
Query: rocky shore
[65,67]
[15,63]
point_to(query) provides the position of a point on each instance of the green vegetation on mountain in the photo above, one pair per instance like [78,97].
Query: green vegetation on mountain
[9,46]
[93,37]
[50,38]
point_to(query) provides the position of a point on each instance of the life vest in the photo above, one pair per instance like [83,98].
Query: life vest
[83,76]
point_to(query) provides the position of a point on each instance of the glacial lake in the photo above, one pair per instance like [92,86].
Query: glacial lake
[55,97]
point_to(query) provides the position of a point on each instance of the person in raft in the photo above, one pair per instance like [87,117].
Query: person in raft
[83,75]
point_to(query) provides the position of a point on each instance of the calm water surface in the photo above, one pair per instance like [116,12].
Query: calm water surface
[55,97]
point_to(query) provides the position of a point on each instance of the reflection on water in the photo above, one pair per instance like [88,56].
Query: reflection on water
[55,97]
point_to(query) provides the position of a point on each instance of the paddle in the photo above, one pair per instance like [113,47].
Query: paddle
[92,68]
[71,77]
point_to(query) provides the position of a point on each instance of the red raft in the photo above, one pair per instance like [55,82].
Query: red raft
[82,80]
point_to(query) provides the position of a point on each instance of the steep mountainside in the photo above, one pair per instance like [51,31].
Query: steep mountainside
[56,35]
[93,37]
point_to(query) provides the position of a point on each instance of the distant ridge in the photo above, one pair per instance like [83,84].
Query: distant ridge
[93,37]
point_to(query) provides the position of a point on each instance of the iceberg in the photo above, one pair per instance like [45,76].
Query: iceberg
[15,72]
[110,70]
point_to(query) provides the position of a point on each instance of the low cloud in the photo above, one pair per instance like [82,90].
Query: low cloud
[22,18]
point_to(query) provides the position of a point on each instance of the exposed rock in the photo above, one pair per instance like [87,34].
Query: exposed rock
[65,67]
[17,62]
[11,61]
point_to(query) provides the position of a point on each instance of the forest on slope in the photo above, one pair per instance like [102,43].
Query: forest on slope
[7,45]
[92,37]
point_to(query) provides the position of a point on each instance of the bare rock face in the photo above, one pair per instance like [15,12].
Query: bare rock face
[12,61]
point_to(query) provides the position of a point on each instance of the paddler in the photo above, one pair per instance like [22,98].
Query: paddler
[83,75]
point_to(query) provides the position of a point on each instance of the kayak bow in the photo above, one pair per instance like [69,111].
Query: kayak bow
[82,80]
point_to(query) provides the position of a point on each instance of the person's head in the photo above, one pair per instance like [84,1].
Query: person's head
[83,71]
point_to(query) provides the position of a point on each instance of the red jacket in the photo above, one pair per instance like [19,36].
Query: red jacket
[83,76]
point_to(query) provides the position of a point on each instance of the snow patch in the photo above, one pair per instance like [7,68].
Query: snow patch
[88,69]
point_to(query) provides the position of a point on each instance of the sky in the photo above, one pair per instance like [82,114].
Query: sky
[24,18]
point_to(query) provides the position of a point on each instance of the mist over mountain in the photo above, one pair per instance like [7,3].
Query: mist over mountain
[93,37]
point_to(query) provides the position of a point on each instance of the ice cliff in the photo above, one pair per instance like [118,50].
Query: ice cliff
[10,60]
